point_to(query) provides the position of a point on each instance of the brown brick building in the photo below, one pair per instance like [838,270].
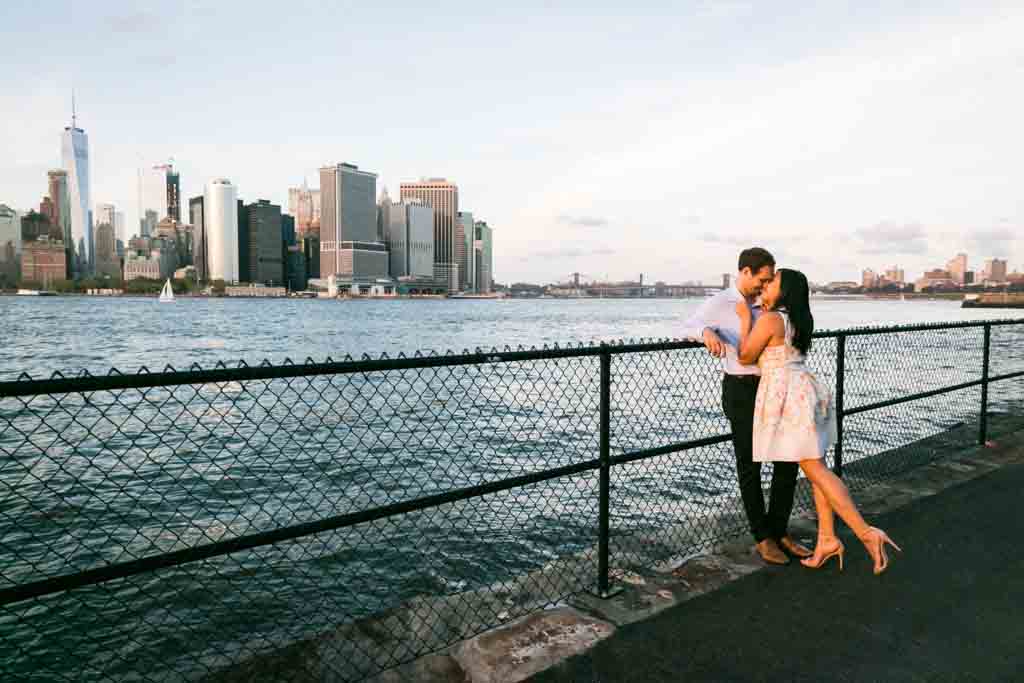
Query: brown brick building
[43,261]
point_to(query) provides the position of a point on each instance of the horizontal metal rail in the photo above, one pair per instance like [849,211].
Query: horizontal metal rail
[86,384]
[120,570]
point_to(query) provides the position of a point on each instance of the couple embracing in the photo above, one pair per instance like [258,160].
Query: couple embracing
[778,410]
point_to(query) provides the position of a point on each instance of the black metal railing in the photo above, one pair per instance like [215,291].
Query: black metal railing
[331,520]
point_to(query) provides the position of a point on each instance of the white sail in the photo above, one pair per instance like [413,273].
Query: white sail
[167,294]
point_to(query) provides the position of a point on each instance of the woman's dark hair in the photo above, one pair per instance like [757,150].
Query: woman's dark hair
[795,298]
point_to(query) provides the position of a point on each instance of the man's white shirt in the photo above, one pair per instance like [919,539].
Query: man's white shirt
[719,314]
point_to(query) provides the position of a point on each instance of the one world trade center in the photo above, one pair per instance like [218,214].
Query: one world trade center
[79,244]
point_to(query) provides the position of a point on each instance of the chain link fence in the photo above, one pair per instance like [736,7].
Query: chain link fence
[328,521]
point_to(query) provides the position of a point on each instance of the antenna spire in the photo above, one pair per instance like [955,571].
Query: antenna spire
[74,124]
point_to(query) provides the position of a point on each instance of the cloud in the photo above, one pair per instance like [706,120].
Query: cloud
[995,235]
[717,238]
[583,221]
[132,22]
[891,238]
[691,219]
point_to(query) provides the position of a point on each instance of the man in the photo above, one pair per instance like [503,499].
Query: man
[716,325]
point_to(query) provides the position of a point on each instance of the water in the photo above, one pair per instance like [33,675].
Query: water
[194,464]
[39,336]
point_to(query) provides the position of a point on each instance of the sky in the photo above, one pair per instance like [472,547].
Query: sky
[605,139]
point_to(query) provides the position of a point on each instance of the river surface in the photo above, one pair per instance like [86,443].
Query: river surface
[71,334]
[87,480]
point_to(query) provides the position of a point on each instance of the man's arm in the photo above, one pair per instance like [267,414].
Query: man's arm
[701,326]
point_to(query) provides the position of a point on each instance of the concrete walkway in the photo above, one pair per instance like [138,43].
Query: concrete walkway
[947,609]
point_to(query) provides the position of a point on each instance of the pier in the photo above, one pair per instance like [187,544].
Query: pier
[434,516]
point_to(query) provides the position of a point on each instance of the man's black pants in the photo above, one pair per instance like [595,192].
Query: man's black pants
[739,392]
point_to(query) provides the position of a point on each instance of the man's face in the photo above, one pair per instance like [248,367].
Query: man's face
[751,284]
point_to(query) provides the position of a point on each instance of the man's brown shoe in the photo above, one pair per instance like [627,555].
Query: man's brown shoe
[770,552]
[794,548]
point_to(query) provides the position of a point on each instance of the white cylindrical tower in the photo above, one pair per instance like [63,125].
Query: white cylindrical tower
[220,218]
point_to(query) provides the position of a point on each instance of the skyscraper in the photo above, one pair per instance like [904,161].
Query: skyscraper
[957,268]
[894,274]
[464,237]
[443,196]
[199,258]
[304,204]
[484,244]
[155,194]
[995,270]
[10,245]
[173,192]
[261,260]
[220,230]
[348,225]
[75,157]
[409,230]
[61,201]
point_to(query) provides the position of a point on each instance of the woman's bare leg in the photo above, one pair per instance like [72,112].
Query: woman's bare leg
[838,498]
[836,495]
[827,544]
[826,518]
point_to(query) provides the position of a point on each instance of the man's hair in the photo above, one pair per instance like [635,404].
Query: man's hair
[756,258]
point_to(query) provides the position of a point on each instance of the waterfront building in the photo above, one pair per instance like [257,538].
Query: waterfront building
[107,262]
[180,236]
[159,189]
[220,230]
[311,255]
[484,259]
[957,268]
[253,289]
[409,232]
[260,257]
[173,194]
[151,258]
[34,226]
[895,275]
[464,251]
[295,264]
[304,205]
[10,245]
[443,197]
[106,213]
[195,212]
[75,156]
[869,279]
[60,201]
[43,261]
[139,266]
[349,248]
[995,271]
[148,223]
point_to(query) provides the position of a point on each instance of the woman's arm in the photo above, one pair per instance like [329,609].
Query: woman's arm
[754,338]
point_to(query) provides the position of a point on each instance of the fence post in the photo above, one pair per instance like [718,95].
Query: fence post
[983,418]
[603,585]
[840,390]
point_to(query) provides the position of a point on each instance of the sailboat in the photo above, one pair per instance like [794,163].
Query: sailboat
[167,294]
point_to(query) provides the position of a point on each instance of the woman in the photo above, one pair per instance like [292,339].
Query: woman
[794,416]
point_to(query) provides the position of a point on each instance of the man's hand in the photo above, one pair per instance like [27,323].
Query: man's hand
[743,311]
[713,343]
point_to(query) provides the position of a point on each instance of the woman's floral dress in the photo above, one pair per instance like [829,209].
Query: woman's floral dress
[794,416]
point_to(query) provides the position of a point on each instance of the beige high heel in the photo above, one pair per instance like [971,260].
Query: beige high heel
[874,541]
[833,551]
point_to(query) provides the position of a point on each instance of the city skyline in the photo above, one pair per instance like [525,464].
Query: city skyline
[874,130]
